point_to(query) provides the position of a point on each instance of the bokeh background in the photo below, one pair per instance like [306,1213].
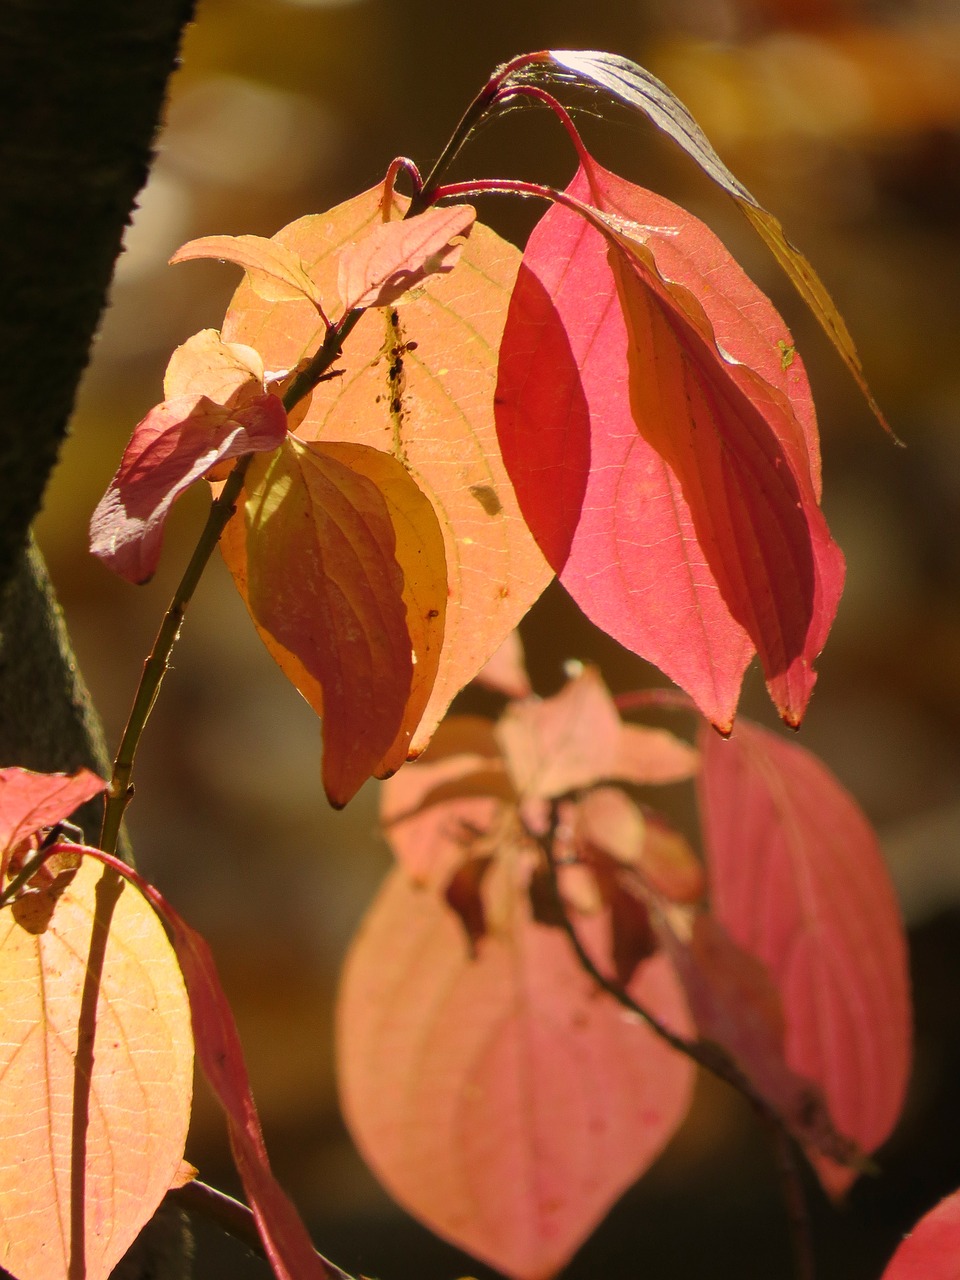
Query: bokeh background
[843,117]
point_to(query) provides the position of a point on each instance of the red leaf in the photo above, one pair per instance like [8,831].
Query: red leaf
[663,456]
[502,1099]
[635,86]
[31,801]
[220,1053]
[175,444]
[798,881]
[378,269]
[932,1249]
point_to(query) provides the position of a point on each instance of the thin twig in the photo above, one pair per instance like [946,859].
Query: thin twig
[234,1217]
[795,1203]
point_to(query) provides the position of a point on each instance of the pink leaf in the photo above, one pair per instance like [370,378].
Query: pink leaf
[175,444]
[798,881]
[932,1249]
[30,801]
[389,260]
[662,453]
[505,671]
[497,1094]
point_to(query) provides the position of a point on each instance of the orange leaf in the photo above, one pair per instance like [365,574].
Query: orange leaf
[227,372]
[94,1121]
[276,274]
[395,256]
[501,1099]
[418,383]
[340,560]
[798,881]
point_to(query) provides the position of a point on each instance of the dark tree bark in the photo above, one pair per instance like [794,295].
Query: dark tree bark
[82,88]
[81,92]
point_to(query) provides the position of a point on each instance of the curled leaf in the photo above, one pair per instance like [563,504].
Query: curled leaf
[276,273]
[638,88]
[341,562]
[176,444]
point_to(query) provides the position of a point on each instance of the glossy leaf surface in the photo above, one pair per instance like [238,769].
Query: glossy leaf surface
[499,1096]
[340,559]
[95,1082]
[797,880]
[417,382]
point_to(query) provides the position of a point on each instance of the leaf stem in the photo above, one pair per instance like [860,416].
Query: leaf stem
[120,790]
[233,1216]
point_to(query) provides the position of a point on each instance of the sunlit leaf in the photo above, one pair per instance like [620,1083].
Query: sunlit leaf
[276,274]
[177,443]
[496,1094]
[226,372]
[95,1079]
[341,562]
[506,671]
[663,456]
[932,1249]
[797,880]
[635,86]
[396,256]
[220,1055]
[417,382]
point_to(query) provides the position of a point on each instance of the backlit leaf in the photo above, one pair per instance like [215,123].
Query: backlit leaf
[417,382]
[220,1055]
[635,86]
[496,1093]
[932,1249]
[30,801]
[227,372]
[663,456]
[797,880]
[396,256]
[341,562]
[177,443]
[276,274]
[95,1085]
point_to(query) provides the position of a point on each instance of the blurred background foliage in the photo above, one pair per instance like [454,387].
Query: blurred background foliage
[843,117]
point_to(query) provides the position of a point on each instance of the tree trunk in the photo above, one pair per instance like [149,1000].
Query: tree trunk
[82,88]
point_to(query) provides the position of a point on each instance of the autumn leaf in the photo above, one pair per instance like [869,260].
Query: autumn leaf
[216,409]
[797,880]
[95,1077]
[497,1095]
[638,88]
[394,257]
[665,459]
[276,274]
[31,801]
[506,671]
[340,560]
[932,1249]
[416,381]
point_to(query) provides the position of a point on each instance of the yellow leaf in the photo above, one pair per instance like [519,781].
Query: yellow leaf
[95,1085]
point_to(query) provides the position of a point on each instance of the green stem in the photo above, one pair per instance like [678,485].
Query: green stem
[155,668]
